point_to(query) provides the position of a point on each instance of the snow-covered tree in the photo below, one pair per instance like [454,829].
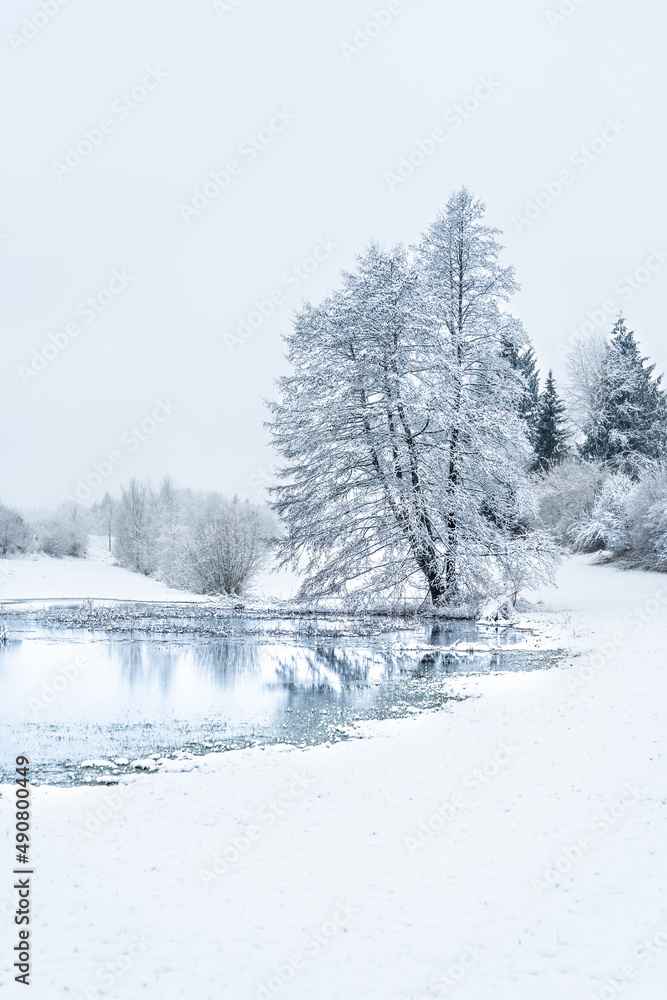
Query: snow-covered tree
[567,495]
[631,422]
[15,534]
[584,385]
[609,524]
[135,539]
[648,506]
[65,534]
[522,360]
[405,452]
[192,540]
[106,512]
[170,533]
[227,548]
[629,519]
[551,435]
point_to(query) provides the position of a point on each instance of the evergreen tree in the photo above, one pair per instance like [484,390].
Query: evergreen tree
[551,437]
[522,360]
[632,420]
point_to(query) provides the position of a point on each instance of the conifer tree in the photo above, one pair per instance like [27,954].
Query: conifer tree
[632,420]
[522,360]
[551,437]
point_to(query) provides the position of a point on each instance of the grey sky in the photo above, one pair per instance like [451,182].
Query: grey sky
[331,124]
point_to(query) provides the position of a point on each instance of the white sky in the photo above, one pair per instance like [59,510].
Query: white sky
[321,178]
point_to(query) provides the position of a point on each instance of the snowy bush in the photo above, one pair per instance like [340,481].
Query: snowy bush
[227,548]
[566,498]
[649,529]
[629,519]
[190,540]
[609,524]
[63,535]
[14,532]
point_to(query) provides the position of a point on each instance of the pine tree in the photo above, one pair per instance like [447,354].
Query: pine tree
[551,437]
[632,420]
[522,360]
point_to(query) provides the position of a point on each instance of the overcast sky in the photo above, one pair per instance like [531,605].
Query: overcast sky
[115,111]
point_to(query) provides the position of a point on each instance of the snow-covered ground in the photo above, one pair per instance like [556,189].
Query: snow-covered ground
[98,576]
[509,848]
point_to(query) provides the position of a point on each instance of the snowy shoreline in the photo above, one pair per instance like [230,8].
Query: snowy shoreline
[447,834]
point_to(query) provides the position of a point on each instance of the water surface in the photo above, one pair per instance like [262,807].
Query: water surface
[86,704]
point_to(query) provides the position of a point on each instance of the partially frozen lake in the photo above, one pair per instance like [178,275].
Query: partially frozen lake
[85,704]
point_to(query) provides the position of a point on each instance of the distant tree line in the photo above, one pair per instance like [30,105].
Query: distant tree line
[63,533]
[196,541]
[201,542]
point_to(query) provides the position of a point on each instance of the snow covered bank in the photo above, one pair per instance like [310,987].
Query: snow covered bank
[509,847]
[98,577]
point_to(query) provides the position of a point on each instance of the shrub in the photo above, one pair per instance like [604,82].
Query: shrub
[63,535]
[567,495]
[15,535]
[227,548]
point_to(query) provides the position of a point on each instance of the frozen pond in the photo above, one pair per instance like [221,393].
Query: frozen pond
[73,696]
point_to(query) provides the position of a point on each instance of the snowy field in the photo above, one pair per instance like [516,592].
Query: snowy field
[509,847]
[98,576]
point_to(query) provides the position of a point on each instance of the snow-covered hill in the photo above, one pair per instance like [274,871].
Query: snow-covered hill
[97,576]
